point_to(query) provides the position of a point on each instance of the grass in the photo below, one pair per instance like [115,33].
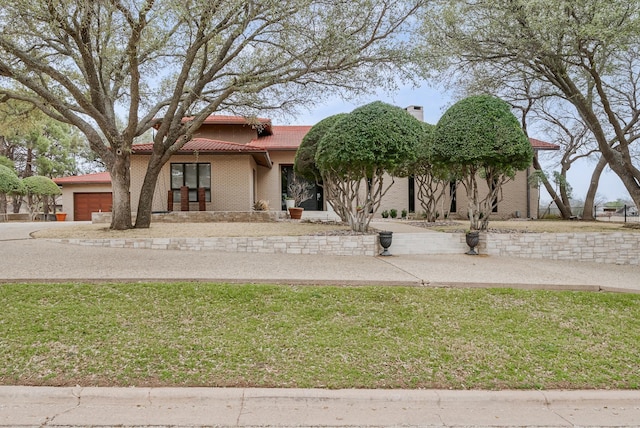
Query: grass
[197,334]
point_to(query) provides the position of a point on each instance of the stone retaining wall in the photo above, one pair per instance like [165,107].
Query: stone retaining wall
[359,245]
[613,248]
[201,216]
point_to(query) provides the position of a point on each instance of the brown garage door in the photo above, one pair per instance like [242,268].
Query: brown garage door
[86,203]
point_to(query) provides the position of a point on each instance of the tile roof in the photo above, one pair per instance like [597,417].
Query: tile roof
[543,145]
[96,178]
[232,120]
[263,125]
[203,145]
[282,138]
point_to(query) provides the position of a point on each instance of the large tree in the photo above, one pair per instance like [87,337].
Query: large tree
[479,138]
[543,110]
[305,162]
[431,176]
[359,151]
[36,143]
[39,189]
[587,50]
[10,184]
[157,62]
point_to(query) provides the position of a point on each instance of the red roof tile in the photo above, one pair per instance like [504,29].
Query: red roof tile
[263,125]
[282,138]
[543,145]
[203,145]
[97,178]
[232,120]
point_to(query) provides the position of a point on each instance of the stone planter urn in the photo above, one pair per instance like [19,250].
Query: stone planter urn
[385,242]
[473,239]
[296,213]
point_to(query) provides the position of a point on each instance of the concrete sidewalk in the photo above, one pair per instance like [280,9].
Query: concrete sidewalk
[191,407]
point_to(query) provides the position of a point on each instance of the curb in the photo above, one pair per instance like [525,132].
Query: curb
[333,283]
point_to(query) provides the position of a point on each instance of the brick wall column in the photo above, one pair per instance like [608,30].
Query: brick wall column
[202,199]
[184,198]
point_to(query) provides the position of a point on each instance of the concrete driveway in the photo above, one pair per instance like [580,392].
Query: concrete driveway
[23,258]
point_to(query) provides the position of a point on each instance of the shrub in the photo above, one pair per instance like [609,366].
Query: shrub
[393,213]
[385,214]
[261,205]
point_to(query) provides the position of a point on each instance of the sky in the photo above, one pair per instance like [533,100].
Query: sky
[434,102]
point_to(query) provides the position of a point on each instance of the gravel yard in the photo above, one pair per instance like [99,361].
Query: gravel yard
[191,230]
[296,228]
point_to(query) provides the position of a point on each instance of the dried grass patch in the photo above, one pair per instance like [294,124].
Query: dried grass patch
[192,230]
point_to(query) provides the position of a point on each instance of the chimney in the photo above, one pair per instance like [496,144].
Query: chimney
[417,112]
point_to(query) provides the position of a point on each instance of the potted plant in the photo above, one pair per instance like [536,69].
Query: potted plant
[289,202]
[300,191]
[261,205]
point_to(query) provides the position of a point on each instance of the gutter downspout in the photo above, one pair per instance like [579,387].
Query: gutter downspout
[528,194]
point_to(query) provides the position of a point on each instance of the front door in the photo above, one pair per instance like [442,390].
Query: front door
[287,176]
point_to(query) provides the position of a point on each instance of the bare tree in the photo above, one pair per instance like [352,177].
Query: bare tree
[587,51]
[156,62]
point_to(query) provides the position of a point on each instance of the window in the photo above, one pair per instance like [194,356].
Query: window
[452,195]
[412,194]
[192,175]
[494,200]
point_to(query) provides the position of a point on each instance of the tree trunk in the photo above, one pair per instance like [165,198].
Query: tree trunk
[620,164]
[145,203]
[3,204]
[16,202]
[564,191]
[589,200]
[566,213]
[120,181]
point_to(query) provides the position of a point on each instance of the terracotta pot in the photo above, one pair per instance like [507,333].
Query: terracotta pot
[61,216]
[296,213]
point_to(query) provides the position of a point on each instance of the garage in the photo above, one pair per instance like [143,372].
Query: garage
[84,194]
[86,203]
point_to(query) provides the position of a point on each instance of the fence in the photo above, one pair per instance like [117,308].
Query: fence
[626,213]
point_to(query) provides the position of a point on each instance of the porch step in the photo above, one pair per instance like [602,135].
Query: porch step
[427,243]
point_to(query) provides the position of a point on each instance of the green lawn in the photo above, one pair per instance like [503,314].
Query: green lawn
[196,334]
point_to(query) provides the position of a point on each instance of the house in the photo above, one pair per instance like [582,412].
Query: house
[84,194]
[236,162]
